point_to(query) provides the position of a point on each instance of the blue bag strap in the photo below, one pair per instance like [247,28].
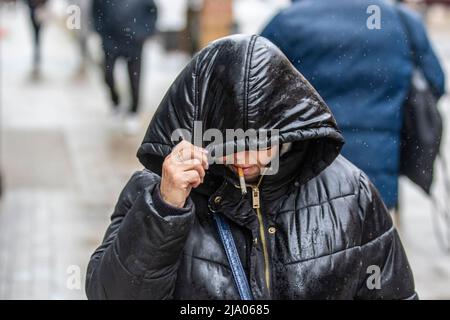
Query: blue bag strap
[239,275]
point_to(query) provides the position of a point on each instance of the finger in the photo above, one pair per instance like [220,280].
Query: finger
[200,154]
[192,178]
[193,164]
[189,151]
[182,144]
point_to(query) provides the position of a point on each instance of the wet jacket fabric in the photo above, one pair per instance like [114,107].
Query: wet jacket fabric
[323,225]
[124,24]
[363,74]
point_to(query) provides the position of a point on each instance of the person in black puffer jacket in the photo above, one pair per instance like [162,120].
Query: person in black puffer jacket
[320,226]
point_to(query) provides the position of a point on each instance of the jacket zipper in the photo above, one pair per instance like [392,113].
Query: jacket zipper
[256,202]
[257,206]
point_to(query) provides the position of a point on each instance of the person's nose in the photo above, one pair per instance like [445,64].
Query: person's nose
[240,158]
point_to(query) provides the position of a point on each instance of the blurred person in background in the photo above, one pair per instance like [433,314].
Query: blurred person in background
[82,34]
[363,74]
[124,26]
[36,17]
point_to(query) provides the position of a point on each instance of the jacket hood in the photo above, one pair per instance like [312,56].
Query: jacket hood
[245,82]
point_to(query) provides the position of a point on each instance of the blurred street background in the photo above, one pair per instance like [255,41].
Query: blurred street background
[64,161]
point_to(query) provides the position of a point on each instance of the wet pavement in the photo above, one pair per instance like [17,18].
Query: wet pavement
[64,162]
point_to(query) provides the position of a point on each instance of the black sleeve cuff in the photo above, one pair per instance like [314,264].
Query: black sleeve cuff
[164,209]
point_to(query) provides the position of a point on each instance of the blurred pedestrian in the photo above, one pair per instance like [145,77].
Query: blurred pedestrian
[82,34]
[363,71]
[124,25]
[36,17]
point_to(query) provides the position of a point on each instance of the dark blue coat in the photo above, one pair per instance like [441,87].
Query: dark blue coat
[363,74]
[124,24]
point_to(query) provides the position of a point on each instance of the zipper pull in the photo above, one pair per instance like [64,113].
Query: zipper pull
[255,197]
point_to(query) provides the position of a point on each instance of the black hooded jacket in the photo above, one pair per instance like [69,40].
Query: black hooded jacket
[321,231]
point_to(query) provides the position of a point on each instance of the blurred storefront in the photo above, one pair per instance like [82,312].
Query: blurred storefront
[189,25]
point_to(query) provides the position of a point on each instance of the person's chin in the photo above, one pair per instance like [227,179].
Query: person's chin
[252,177]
